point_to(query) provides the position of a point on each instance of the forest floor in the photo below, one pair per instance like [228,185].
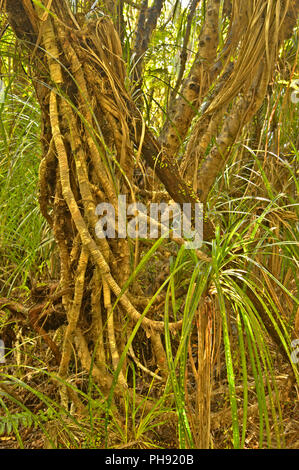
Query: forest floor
[34,438]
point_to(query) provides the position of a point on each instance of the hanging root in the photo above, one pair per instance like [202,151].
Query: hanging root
[89,159]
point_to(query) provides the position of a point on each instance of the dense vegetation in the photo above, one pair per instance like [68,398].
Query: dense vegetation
[144,343]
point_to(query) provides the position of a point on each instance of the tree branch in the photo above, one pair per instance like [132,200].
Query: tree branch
[147,22]
[202,74]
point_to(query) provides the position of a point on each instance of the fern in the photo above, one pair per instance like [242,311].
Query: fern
[27,419]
